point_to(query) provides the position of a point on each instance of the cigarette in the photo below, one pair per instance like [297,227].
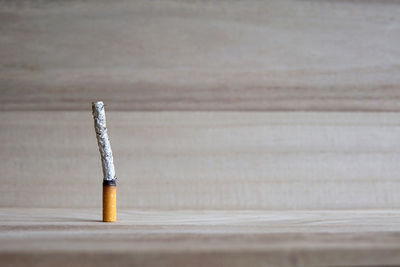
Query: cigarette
[109,179]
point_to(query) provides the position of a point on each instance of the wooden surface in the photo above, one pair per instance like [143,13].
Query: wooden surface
[204,160]
[259,188]
[62,237]
[200,55]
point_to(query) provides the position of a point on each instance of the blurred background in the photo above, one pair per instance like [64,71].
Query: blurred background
[210,104]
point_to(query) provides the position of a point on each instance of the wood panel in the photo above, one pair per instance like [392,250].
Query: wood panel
[200,55]
[65,237]
[257,188]
[204,160]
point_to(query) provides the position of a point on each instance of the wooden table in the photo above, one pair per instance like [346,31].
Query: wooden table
[62,237]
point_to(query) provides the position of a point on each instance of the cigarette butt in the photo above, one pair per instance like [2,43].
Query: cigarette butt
[109,202]
[109,179]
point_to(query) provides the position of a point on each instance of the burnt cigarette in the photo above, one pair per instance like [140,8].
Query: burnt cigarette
[109,179]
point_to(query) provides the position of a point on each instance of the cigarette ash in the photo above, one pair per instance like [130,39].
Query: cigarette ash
[100,127]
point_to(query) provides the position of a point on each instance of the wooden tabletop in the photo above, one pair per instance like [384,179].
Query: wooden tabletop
[50,237]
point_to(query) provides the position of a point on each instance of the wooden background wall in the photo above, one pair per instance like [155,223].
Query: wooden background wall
[212,105]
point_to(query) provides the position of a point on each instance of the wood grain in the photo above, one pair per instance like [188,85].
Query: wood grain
[201,188]
[200,55]
[204,160]
[48,237]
